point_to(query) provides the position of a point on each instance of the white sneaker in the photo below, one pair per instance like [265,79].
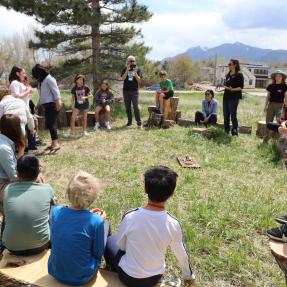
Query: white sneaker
[97,125]
[85,133]
[108,126]
[69,134]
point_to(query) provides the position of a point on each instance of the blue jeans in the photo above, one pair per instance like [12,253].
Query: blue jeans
[230,110]
[113,256]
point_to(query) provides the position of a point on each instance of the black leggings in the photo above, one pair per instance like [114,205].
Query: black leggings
[51,115]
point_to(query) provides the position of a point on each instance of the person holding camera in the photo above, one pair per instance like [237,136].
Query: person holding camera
[102,100]
[131,75]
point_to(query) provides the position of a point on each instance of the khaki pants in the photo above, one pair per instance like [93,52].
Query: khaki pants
[273,110]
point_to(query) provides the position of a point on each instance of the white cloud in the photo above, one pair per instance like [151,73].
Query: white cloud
[251,22]
[12,22]
[169,34]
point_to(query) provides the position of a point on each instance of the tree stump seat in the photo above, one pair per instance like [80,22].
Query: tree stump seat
[90,119]
[31,271]
[279,251]
[169,117]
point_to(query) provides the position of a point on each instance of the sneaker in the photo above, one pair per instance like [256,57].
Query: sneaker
[278,233]
[69,134]
[97,125]
[234,132]
[281,219]
[108,126]
[85,133]
[128,124]
[140,126]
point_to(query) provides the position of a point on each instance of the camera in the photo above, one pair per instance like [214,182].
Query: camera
[132,66]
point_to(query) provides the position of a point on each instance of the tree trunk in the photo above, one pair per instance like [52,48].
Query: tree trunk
[96,44]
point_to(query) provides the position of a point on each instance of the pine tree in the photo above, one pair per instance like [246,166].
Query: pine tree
[95,35]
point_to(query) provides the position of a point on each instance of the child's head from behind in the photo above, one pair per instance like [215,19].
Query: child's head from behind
[28,168]
[79,80]
[83,190]
[160,183]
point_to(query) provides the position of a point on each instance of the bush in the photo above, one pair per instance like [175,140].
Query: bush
[217,135]
[270,152]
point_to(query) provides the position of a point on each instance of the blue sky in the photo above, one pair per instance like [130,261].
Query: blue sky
[177,25]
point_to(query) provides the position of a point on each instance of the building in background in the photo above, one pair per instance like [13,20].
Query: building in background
[255,75]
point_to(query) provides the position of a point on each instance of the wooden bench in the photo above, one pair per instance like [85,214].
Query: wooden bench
[279,251]
[33,271]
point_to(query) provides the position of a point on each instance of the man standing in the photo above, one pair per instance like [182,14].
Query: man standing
[131,75]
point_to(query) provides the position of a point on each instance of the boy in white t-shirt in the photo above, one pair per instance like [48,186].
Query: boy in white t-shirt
[137,251]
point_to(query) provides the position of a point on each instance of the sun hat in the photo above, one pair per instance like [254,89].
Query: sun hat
[280,72]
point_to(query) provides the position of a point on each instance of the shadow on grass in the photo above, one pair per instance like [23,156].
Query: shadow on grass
[270,152]
[217,135]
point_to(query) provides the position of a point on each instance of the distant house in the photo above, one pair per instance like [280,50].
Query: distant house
[255,75]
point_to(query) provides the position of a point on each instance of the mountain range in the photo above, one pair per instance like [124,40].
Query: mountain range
[238,51]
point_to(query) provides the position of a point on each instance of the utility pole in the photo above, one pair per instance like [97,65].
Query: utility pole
[215,69]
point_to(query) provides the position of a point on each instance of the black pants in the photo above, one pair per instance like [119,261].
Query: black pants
[230,110]
[31,139]
[132,97]
[273,126]
[31,252]
[199,116]
[51,115]
[113,256]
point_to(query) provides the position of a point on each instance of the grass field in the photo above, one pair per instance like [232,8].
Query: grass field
[225,207]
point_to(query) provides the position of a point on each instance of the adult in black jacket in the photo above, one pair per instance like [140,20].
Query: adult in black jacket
[232,93]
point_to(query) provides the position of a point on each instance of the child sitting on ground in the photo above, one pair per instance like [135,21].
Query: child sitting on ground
[103,100]
[77,234]
[26,210]
[166,90]
[138,250]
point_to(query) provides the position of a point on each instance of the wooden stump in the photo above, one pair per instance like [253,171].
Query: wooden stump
[177,116]
[185,122]
[41,122]
[279,251]
[62,118]
[261,129]
[154,120]
[245,130]
[167,124]
[199,131]
[282,147]
[151,109]
[91,119]
[170,107]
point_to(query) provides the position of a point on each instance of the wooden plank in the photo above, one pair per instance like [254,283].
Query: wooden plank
[34,270]
[185,122]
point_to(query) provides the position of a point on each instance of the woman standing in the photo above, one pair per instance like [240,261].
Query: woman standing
[50,99]
[20,90]
[17,87]
[232,93]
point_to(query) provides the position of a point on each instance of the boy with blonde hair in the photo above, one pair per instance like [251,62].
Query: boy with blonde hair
[77,234]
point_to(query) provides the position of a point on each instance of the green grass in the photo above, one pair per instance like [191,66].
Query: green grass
[225,207]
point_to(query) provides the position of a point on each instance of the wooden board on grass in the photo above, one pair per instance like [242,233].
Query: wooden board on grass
[188,162]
